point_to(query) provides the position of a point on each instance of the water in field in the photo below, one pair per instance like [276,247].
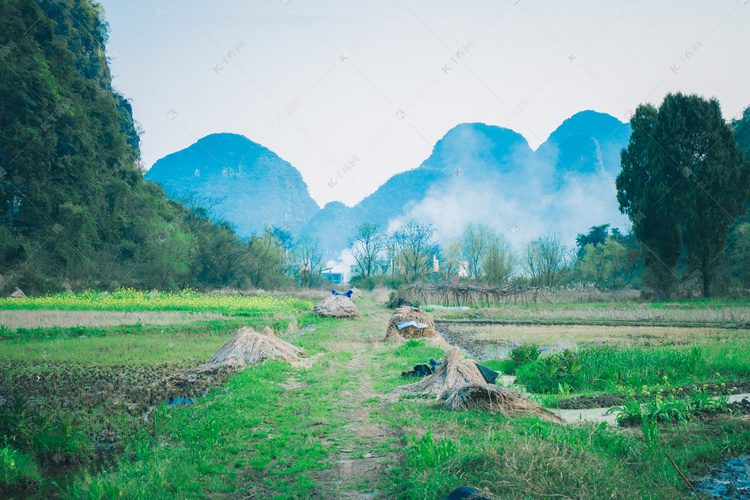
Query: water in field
[730,480]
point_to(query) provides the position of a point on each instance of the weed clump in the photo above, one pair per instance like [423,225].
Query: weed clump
[17,469]
[559,373]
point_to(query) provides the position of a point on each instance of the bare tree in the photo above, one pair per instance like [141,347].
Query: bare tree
[416,248]
[307,260]
[543,258]
[475,243]
[452,257]
[499,263]
[367,247]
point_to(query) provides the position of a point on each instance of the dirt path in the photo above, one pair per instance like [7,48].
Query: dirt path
[359,464]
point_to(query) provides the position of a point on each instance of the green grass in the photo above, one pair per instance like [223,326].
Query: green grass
[17,469]
[528,458]
[629,370]
[246,428]
[249,432]
[254,438]
[186,345]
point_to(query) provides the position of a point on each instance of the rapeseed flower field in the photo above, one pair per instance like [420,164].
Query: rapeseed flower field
[128,299]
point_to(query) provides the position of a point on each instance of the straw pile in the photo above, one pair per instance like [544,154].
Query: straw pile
[250,348]
[454,372]
[494,399]
[459,382]
[336,306]
[405,314]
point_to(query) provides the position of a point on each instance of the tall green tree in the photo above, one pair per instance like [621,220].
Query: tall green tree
[683,180]
[741,128]
[644,193]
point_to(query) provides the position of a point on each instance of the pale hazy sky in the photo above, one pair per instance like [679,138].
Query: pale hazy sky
[321,82]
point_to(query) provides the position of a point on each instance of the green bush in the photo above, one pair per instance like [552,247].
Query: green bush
[42,434]
[552,375]
[521,355]
[16,468]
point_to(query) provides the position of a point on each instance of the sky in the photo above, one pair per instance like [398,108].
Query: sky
[320,83]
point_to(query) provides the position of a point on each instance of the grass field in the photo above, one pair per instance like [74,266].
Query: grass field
[335,431]
[711,312]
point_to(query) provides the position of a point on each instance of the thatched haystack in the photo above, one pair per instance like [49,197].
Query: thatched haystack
[423,326]
[461,385]
[494,399]
[454,372]
[336,306]
[250,348]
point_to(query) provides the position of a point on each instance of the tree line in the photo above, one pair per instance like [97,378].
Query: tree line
[685,186]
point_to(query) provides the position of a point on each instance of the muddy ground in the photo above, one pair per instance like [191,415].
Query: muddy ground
[97,394]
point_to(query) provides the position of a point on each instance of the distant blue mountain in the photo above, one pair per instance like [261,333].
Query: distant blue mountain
[489,163]
[256,186]
[585,142]
[474,164]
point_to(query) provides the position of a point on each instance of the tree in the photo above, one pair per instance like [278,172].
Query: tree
[742,132]
[307,260]
[266,261]
[605,264]
[644,194]
[451,258]
[543,258]
[283,237]
[475,243]
[738,254]
[596,236]
[367,248]
[694,140]
[416,248]
[499,263]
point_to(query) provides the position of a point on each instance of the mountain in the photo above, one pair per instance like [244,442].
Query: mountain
[585,141]
[475,173]
[489,174]
[253,185]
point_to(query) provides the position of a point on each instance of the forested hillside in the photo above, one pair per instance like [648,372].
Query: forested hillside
[75,210]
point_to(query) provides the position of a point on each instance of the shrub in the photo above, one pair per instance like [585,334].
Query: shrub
[16,468]
[559,372]
[45,436]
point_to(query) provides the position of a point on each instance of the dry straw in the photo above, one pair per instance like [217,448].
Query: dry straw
[405,314]
[250,348]
[494,399]
[459,383]
[336,306]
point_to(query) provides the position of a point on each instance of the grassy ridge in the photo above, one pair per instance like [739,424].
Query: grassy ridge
[705,312]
